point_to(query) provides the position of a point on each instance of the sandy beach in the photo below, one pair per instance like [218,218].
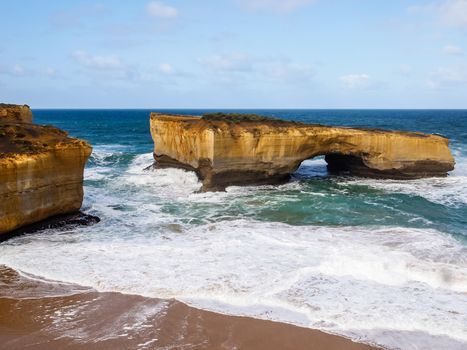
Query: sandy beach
[39,315]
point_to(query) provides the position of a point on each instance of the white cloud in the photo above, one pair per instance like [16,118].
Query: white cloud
[454,13]
[245,69]
[288,71]
[356,81]
[162,73]
[414,9]
[446,77]
[77,16]
[451,13]
[274,5]
[107,62]
[452,50]
[166,68]
[50,72]
[236,62]
[404,70]
[159,9]
[18,70]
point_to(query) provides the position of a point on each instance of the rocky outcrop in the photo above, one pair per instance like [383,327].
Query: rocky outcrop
[41,170]
[15,113]
[226,150]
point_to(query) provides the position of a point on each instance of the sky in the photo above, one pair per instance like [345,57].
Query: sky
[234,53]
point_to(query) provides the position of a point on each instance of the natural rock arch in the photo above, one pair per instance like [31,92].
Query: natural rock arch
[235,151]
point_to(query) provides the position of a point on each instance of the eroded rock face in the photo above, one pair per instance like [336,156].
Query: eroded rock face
[41,172]
[15,113]
[227,153]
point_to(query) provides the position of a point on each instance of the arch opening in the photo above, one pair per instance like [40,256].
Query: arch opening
[332,164]
[313,167]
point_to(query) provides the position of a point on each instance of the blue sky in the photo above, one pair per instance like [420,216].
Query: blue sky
[234,53]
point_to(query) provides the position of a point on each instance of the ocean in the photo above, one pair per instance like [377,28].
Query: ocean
[378,261]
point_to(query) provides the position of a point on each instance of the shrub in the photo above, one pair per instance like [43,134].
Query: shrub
[237,117]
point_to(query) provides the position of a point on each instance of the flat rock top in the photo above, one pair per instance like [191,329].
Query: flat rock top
[22,138]
[230,119]
[252,121]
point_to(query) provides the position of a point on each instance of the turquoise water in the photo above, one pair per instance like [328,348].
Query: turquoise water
[381,261]
[319,197]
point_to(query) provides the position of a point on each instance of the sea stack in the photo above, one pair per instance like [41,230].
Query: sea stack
[228,149]
[41,170]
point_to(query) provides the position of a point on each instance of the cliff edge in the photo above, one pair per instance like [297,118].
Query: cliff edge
[15,113]
[41,170]
[227,150]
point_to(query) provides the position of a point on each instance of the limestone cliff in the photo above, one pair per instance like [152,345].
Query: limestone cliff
[41,171]
[225,151]
[15,113]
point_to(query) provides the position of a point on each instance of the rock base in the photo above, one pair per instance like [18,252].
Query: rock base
[350,165]
[63,222]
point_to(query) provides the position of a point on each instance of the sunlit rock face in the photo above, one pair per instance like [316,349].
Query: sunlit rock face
[242,152]
[15,113]
[41,170]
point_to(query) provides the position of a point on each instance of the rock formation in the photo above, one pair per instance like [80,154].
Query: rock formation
[41,170]
[15,113]
[233,150]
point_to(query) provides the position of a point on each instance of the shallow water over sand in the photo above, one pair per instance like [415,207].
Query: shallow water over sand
[52,315]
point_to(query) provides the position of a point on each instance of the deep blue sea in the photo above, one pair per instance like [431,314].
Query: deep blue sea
[380,261]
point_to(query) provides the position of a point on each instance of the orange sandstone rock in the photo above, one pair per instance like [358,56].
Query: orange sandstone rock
[15,113]
[41,172]
[242,152]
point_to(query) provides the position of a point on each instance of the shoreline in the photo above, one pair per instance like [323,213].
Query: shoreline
[40,315]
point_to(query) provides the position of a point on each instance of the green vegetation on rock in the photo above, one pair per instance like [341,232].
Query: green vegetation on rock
[237,117]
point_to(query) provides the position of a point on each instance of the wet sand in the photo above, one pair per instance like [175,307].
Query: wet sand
[47,315]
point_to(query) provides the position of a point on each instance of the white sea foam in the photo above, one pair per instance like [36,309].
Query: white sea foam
[167,183]
[450,191]
[399,287]
[103,159]
[347,280]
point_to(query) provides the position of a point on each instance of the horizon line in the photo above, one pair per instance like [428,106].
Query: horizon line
[252,108]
